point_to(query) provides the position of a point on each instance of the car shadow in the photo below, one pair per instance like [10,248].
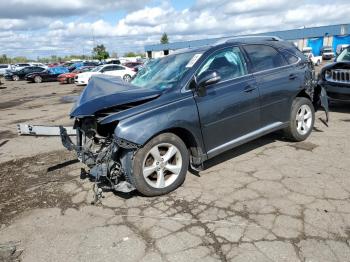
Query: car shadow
[339,107]
[241,150]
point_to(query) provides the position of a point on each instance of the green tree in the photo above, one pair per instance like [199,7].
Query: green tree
[100,52]
[164,39]
[130,54]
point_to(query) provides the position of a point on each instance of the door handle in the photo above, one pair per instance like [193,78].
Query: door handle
[292,76]
[249,88]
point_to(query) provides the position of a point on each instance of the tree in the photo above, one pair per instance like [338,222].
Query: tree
[100,52]
[130,54]
[164,39]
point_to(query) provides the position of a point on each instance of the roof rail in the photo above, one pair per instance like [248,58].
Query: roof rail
[247,38]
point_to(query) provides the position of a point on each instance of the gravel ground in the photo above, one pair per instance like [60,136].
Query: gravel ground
[268,200]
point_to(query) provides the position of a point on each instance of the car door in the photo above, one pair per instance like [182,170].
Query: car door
[277,81]
[230,110]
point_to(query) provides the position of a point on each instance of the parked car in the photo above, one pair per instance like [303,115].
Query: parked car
[335,77]
[82,64]
[68,78]
[49,75]
[19,66]
[316,60]
[327,52]
[20,74]
[38,64]
[340,48]
[115,70]
[4,68]
[190,106]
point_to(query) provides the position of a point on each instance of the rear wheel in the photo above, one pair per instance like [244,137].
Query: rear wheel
[318,62]
[160,166]
[38,79]
[301,120]
[70,80]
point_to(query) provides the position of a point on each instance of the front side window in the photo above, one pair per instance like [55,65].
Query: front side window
[228,63]
[108,68]
[264,57]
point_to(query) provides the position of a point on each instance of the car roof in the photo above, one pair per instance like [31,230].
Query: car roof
[239,40]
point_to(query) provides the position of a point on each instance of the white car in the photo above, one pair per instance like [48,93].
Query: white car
[4,68]
[316,60]
[113,70]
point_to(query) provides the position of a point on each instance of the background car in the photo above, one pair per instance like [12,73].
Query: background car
[133,65]
[20,74]
[335,77]
[316,60]
[327,52]
[19,66]
[114,70]
[68,78]
[48,75]
[4,68]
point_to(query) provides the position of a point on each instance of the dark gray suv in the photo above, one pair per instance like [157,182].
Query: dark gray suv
[190,106]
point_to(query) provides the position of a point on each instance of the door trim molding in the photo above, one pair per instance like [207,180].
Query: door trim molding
[242,139]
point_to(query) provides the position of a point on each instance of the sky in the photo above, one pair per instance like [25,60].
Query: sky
[39,28]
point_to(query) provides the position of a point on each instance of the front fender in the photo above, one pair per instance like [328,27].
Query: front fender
[142,127]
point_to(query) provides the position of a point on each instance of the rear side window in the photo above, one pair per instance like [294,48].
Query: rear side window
[264,57]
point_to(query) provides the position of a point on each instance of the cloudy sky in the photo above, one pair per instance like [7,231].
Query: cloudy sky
[47,27]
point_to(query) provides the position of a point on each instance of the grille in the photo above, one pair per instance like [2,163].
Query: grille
[338,76]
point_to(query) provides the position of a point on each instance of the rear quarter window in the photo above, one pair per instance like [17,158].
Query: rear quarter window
[264,57]
[289,57]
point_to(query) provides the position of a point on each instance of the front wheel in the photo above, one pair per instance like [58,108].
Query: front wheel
[160,166]
[127,78]
[301,121]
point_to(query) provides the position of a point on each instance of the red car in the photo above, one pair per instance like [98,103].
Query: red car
[133,65]
[68,78]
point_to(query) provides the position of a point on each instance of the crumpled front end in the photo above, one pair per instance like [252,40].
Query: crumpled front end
[101,154]
[96,144]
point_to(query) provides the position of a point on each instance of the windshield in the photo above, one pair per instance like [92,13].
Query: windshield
[344,56]
[165,73]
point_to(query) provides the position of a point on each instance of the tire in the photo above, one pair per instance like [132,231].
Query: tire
[38,79]
[144,168]
[301,121]
[15,78]
[70,81]
[127,78]
[318,62]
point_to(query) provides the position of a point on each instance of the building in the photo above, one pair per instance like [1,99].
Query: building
[314,37]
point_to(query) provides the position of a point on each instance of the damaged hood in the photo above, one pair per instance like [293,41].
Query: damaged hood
[105,92]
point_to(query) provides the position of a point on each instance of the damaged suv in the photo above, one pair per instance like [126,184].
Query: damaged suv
[190,106]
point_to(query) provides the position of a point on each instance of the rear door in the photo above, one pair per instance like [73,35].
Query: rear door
[230,109]
[277,81]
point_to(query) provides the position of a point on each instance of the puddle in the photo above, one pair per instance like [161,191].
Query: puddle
[69,99]
[307,146]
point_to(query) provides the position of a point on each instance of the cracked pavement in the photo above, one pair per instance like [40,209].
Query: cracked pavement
[268,200]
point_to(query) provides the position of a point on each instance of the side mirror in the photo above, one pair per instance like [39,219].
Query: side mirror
[207,78]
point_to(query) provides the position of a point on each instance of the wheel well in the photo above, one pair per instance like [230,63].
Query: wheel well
[303,93]
[188,138]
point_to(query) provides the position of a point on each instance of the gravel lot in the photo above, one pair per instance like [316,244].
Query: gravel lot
[269,200]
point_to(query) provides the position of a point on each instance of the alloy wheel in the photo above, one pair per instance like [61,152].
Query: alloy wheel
[162,165]
[304,119]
